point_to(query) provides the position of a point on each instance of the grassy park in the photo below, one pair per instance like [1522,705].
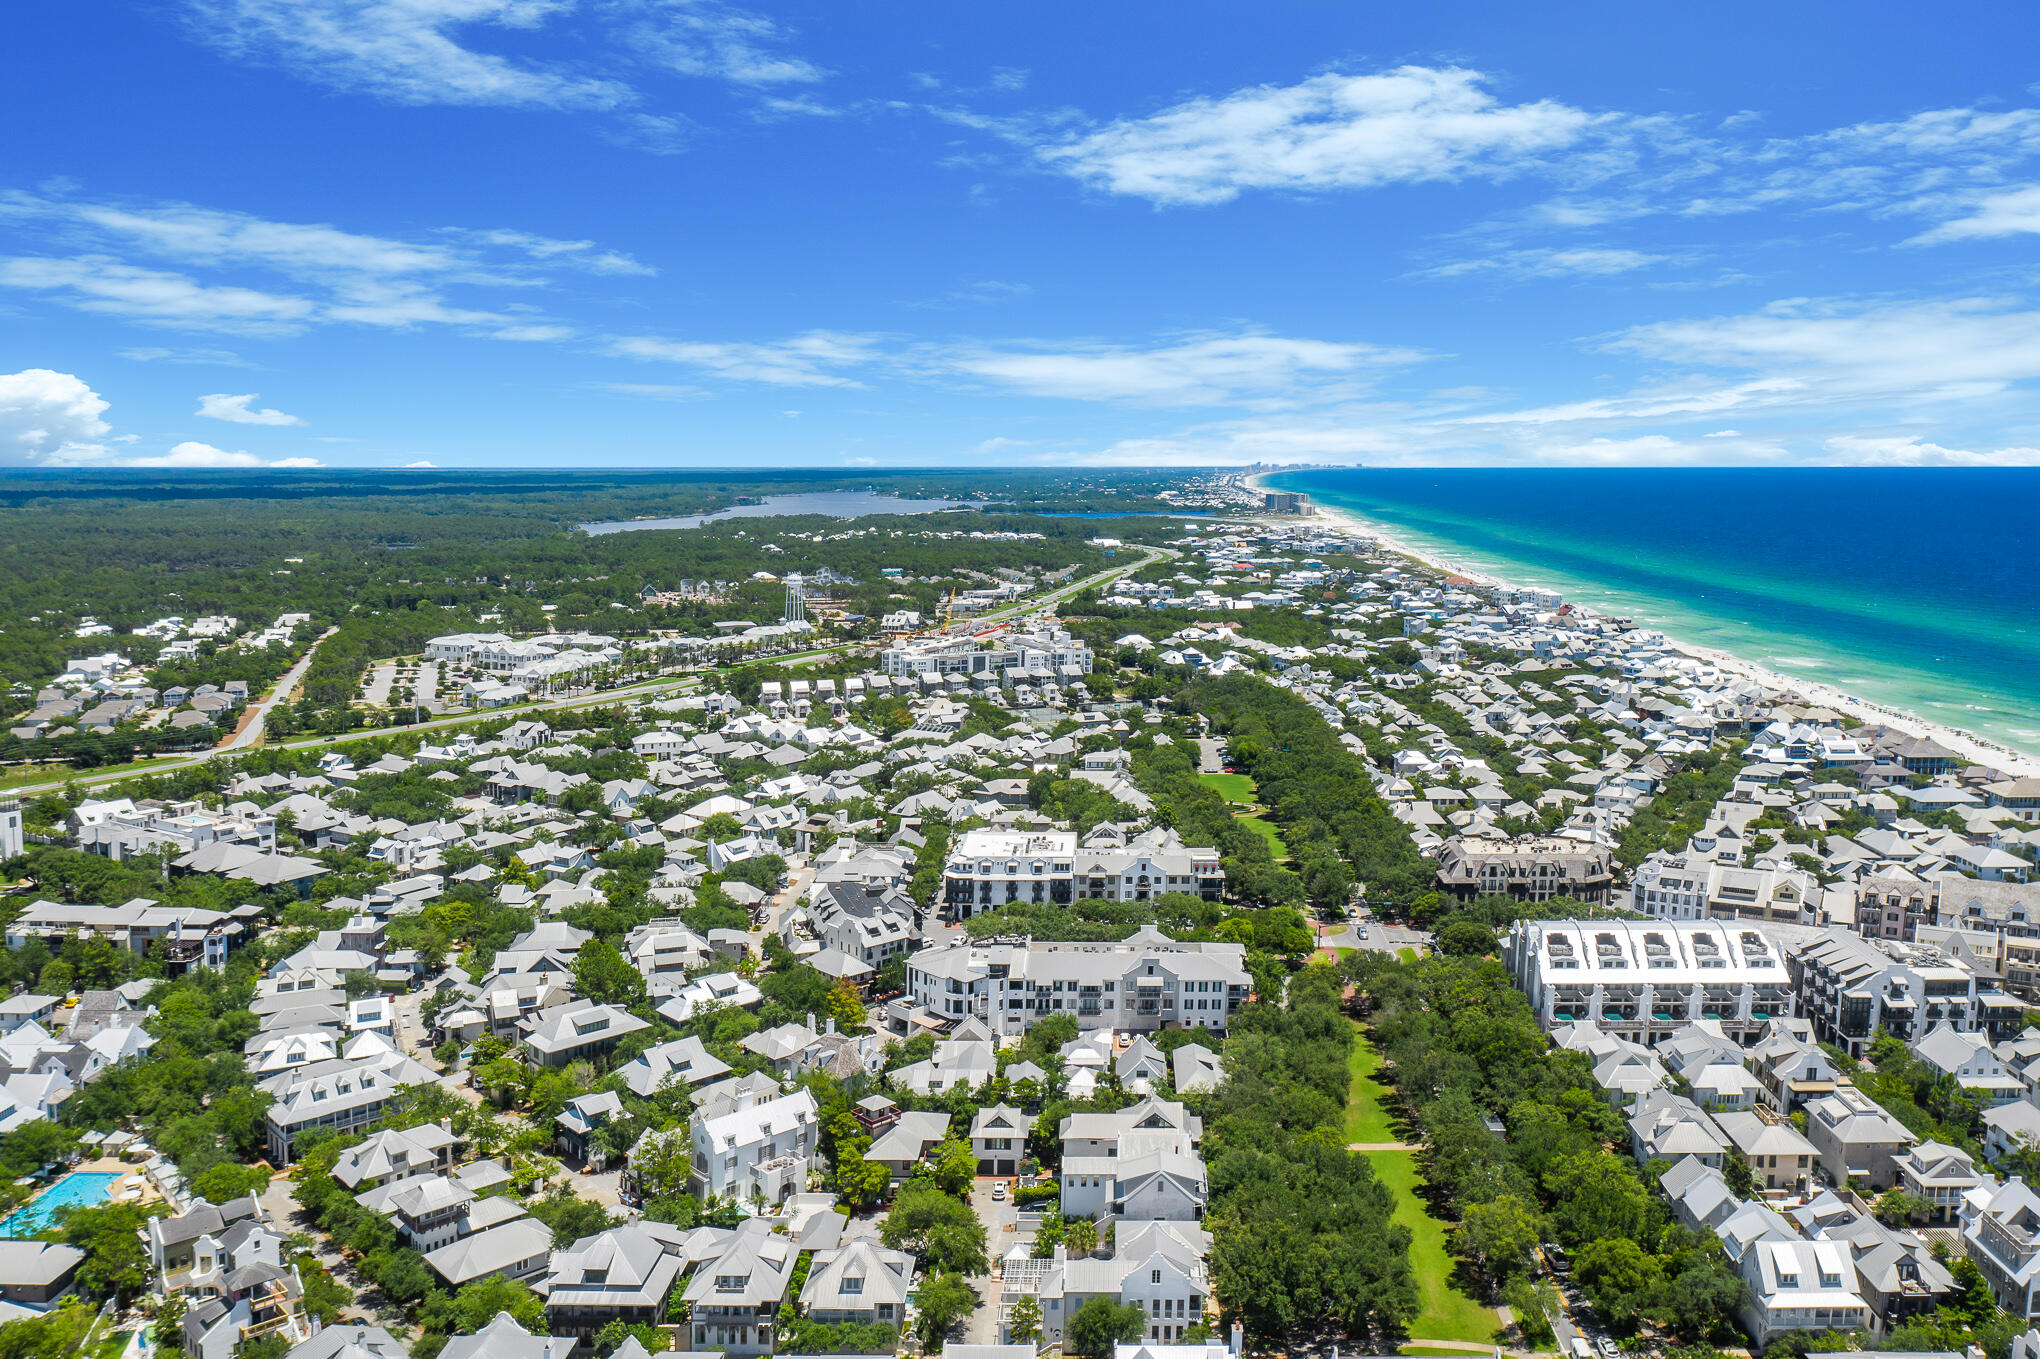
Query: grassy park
[1447,1313]
[1239,790]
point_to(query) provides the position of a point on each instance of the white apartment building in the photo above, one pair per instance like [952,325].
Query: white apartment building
[752,1143]
[991,868]
[1644,981]
[1691,885]
[1054,654]
[1146,981]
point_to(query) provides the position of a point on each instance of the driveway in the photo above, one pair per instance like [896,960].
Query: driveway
[1001,1235]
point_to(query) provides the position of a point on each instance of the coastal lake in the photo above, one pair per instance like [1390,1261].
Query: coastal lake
[1909,587]
[835,504]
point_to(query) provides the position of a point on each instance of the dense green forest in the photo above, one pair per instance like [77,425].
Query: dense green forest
[129,547]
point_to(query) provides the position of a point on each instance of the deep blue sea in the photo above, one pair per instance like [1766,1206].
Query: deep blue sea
[1911,587]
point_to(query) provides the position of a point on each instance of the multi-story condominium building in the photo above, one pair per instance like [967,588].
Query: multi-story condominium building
[1054,654]
[990,868]
[1693,885]
[1146,981]
[1644,981]
[1850,987]
[1535,868]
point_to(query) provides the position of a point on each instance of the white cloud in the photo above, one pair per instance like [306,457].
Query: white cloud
[1202,370]
[335,276]
[404,51]
[1550,262]
[188,455]
[1942,348]
[240,410]
[220,358]
[703,38]
[1408,125]
[1690,398]
[2015,212]
[1909,451]
[579,254]
[46,415]
[656,391]
[96,283]
[808,360]
[420,463]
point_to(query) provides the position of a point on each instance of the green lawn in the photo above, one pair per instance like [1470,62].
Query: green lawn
[1366,1118]
[1408,955]
[1446,1313]
[1266,830]
[1231,787]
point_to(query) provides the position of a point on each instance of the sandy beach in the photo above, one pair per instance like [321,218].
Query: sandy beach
[1971,747]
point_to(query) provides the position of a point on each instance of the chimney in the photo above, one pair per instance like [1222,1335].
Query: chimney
[1233,1342]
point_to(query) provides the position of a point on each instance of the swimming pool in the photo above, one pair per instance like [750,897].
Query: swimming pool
[80,1188]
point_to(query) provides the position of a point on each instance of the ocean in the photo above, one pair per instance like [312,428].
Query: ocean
[1914,588]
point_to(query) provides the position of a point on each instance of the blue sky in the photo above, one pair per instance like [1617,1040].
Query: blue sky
[675,233]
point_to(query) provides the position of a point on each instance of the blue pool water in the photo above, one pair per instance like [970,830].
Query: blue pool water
[79,1189]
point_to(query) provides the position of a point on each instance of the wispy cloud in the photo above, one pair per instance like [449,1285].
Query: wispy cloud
[1250,369]
[109,287]
[218,358]
[311,273]
[405,51]
[2015,212]
[704,38]
[1550,262]
[815,359]
[1409,125]
[512,53]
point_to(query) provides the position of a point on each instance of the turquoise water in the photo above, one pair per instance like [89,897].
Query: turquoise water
[1910,587]
[79,1189]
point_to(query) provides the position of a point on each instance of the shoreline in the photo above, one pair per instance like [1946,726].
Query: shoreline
[1976,749]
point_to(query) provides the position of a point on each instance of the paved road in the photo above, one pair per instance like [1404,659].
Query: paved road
[1380,937]
[251,729]
[258,716]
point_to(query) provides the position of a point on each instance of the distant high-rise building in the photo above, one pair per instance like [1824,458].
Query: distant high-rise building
[11,842]
[1285,502]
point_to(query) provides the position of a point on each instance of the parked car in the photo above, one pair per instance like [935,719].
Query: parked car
[998,1191]
[1606,1344]
[1555,1258]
